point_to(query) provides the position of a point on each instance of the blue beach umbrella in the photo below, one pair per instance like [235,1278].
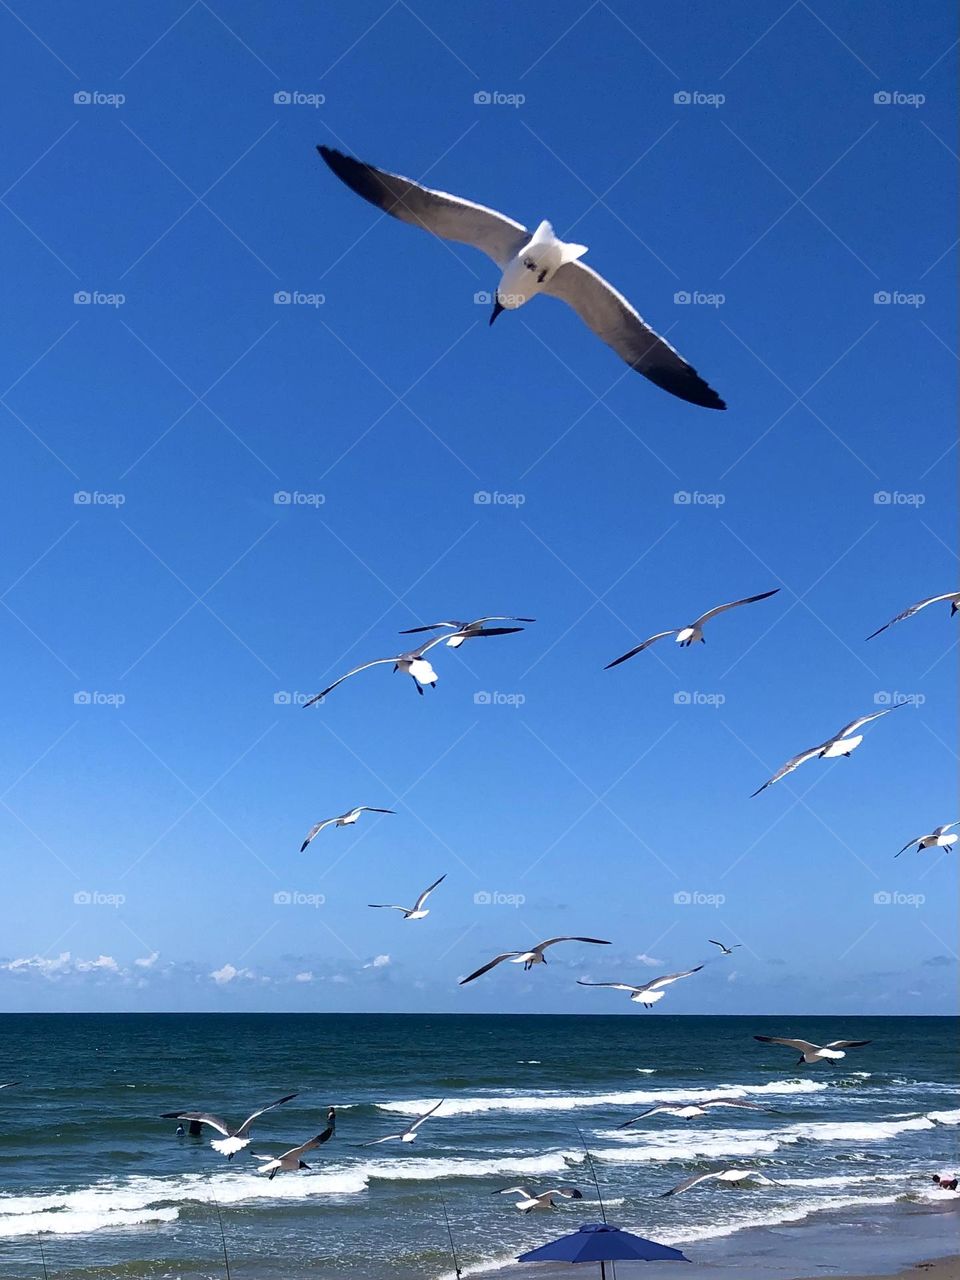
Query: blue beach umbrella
[600,1242]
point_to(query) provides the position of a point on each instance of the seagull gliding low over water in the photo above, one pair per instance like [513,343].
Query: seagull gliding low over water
[528,1201]
[690,1110]
[529,958]
[408,1134]
[650,992]
[290,1161]
[531,262]
[734,1176]
[810,1053]
[233,1140]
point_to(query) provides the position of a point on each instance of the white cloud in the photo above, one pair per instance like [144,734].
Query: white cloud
[102,962]
[229,973]
[306,976]
[378,962]
[652,961]
[147,962]
[62,966]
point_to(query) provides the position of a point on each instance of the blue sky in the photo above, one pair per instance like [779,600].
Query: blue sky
[158,630]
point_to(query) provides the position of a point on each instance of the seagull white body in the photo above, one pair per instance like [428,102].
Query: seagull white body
[841,744]
[952,596]
[233,1140]
[692,1110]
[530,263]
[410,1133]
[731,1176]
[418,910]
[344,820]
[528,1201]
[810,1053]
[467,630]
[937,839]
[529,958]
[650,992]
[291,1161]
[724,950]
[693,631]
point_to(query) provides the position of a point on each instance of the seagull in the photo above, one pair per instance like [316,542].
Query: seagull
[937,838]
[344,820]
[650,992]
[410,1133]
[810,1053]
[723,1175]
[952,596]
[528,1201]
[418,910]
[233,1140]
[291,1160]
[529,958]
[411,663]
[688,1110]
[727,951]
[9,1084]
[841,744]
[531,263]
[466,630]
[687,635]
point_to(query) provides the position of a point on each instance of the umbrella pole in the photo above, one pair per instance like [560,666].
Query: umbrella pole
[603,1270]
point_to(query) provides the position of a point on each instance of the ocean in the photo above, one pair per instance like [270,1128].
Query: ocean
[92,1175]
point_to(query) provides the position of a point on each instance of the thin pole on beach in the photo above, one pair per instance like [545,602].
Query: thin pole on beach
[43,1261]
[223,1238]
[603,1212]
[453,1247]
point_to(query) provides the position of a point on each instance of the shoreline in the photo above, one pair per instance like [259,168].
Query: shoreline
[902,1241]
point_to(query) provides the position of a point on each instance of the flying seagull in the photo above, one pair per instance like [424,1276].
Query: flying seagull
[529,958]
[233,1140]
[734,1176]
[466,630]
[688,1110]
[345,820]
[528,1201]
[841,744]
[937,838]
[650,992]
[810,1053]
[418,910]
[531,263]
[952,596]
[727,951]
[411,663]
[292,1160]
[687,635]
[410,1133]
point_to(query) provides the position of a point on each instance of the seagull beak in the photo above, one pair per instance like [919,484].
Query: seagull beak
[497,308]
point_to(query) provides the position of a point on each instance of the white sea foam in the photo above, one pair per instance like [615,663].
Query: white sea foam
[944,1117]
[540,1101]
[81,1223]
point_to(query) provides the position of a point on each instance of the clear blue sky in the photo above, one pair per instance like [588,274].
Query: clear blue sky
[198,598]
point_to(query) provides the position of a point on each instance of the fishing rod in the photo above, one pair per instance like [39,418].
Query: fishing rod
[43,1261]
[223,1238]
[453,1247]
[586,1152]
